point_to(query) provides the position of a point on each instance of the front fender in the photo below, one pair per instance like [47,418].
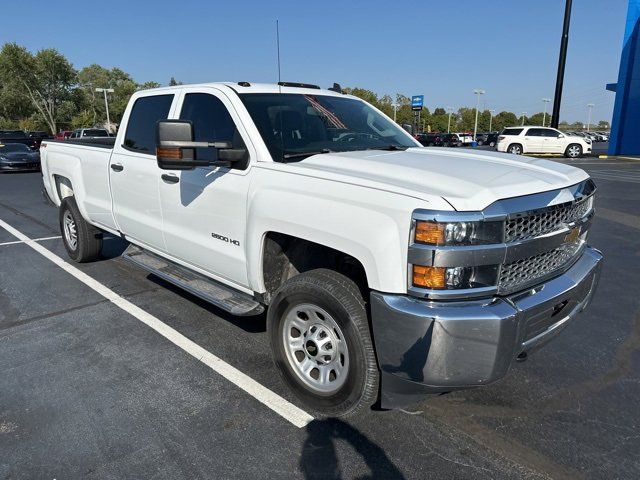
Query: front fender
[371,225]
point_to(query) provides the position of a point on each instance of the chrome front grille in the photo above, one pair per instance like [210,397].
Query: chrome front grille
[546,220]
[527,270]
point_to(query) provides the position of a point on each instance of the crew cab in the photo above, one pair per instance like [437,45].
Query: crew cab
[388,271]
[525,139]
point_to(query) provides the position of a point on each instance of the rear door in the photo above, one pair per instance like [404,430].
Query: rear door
[134,172]
[205,209]
[533,140]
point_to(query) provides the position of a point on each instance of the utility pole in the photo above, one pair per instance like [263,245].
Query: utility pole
[450,110]
[544,113]
[491,112]
[477,92]
[523,114]
[590,107]
[562,60]
[395,111]
[106,103]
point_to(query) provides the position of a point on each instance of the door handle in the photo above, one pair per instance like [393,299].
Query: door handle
[117,167]
[170,178]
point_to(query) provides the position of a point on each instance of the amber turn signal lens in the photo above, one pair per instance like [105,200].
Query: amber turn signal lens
[169,153]
[429,277]
[430,232]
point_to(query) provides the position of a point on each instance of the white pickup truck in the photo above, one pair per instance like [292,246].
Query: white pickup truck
[387,271]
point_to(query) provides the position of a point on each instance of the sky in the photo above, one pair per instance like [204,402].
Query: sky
[441,49]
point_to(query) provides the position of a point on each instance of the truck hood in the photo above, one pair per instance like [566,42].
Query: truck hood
[467,179]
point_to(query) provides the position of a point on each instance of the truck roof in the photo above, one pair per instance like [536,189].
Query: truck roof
[249,87]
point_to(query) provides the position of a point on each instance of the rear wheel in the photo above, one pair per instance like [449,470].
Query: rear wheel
[321,343]
[573,151]
[515,148]
[82,240]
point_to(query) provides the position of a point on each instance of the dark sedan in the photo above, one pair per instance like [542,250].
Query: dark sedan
[16,157]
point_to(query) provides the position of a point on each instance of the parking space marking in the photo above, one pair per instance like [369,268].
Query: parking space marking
[15,242]
[275,402]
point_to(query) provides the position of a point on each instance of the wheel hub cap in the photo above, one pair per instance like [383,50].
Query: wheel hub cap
[70,231]
[315,348]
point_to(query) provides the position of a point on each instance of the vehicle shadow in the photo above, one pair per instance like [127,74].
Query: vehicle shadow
[319,460]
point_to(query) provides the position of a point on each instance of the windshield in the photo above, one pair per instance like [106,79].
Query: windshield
[296,125]
[14,147]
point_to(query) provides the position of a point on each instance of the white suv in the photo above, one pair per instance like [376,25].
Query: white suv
[519,140]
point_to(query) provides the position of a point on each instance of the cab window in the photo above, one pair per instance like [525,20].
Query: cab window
[211,123]
[141,127]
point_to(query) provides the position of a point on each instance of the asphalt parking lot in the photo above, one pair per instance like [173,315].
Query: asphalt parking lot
[87,390]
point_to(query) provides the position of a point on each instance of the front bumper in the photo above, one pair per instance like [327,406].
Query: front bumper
[426,347]
[20,167]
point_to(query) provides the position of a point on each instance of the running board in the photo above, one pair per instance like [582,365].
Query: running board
[216,293]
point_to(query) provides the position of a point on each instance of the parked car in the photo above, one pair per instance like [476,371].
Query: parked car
[17,136]
[522,140]
[604,135]
[89,133]
[18,157]
[430,139]
[38,136]
[450,140]
[465,138]
[386,270]
[63,134]
[487,139]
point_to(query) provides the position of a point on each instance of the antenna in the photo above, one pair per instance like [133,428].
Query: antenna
[278,47]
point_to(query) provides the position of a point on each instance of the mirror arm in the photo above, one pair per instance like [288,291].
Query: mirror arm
[181,144]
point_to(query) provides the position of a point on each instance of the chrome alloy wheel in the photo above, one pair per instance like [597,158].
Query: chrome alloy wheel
[574,151]
[70,230]
[515,149]
[316,348]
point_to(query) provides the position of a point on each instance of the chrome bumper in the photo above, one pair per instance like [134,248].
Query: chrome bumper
[430,347]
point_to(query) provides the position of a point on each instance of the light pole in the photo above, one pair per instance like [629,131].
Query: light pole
[491,112]
[395,111]
[450,110]
[106,103]
[523,114]
[544,113]
[590,107]
[477,92]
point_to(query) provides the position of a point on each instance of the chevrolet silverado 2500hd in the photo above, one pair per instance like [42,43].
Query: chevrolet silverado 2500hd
[387,270]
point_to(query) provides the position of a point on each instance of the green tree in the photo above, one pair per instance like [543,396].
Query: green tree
[46,79]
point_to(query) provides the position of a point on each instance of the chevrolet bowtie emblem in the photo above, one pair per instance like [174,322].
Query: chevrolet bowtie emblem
[573,235]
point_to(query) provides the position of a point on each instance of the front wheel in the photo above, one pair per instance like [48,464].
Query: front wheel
[573,151]
[321,343]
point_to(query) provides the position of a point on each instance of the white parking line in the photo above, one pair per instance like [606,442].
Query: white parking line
[15,242]
[275,402]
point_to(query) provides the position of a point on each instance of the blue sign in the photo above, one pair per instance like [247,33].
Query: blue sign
[416,102]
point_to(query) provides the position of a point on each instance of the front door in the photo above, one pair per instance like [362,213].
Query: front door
[551,141]
[134,173]
[204,209]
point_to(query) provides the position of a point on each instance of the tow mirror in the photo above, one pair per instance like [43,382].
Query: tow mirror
[176,150]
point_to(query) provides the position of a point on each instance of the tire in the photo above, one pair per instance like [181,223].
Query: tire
[82,241]
[480,143]
[492,144]
[574,150]
[318,305]
[515,149]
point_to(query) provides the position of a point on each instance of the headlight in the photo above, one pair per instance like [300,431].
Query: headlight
[457,233]
[452,278]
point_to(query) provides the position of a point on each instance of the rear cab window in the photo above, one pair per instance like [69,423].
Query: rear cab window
[141,126]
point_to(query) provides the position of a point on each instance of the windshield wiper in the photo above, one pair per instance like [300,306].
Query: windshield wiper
[287,156]
[391,147]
